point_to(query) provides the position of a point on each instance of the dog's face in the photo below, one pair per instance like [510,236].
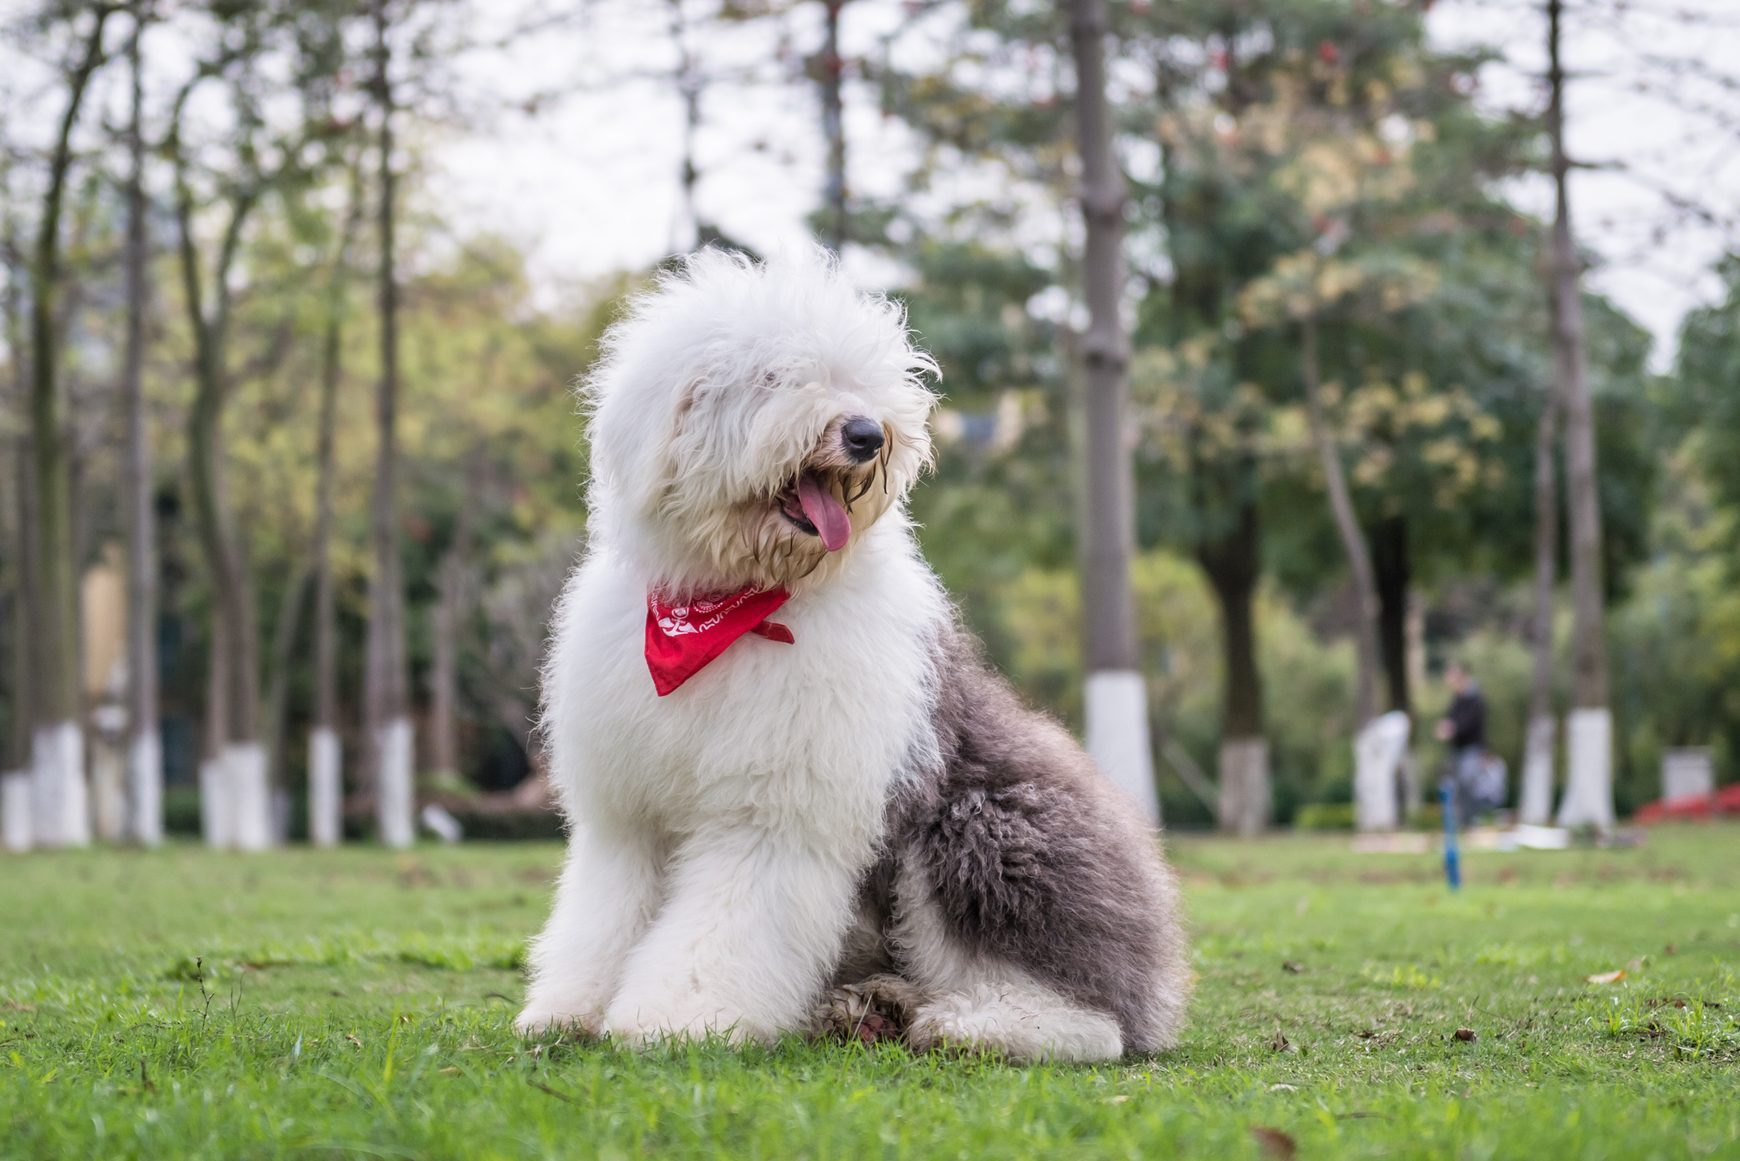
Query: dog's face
[751,423]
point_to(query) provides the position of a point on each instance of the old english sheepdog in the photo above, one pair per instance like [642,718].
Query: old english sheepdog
[798,800]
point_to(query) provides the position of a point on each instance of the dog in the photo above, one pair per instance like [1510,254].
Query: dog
[797,798]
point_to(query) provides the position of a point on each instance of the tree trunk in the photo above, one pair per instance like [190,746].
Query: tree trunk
[1116,694]
[241,760]
[15,761]
[277,701]
[1347,528]
[452,599]
[1589,783]
[215,811]
[1377,756]
[688,232]
[144,744]
[1535,804]
[325,755]
[388,694]
[1230,562]
[58,785]
[1393,574]
[240,767]
[836,226]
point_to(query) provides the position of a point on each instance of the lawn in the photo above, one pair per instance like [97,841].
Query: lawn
[189,1004]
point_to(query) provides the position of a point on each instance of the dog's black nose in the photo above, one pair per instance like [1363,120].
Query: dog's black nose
[861,438]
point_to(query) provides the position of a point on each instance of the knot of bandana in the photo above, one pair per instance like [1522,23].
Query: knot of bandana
[683,639]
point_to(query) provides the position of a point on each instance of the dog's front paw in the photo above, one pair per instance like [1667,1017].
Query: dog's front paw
[645,1025]
[538,1020]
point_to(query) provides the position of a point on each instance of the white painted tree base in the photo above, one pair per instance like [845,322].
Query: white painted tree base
[108,791]
[325,788]
[1588,797]
[59,800]
[145,788]
[250,796]
[1246,799]
[15,820]
[214,804]
[1117,735]
[395,788]
[1535,800]
[1378,751]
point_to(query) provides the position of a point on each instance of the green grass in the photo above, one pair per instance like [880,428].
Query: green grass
[186,1004]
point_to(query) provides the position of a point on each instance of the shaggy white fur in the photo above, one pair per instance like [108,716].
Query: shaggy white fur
[719,836]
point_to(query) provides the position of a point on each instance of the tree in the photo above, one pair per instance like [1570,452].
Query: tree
[325,753]
[1117,704]
[830,73]
[1207,429]
[1342,112]
[267,154]
[58,785]
[387,692]
[145,749]
[1347,525]
[238,769]
[1589,778]
[1535,800]
[19,572]
[689,81]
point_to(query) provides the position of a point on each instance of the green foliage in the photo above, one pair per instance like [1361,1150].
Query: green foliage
[1309,716]
[359,1001]
[1336,816]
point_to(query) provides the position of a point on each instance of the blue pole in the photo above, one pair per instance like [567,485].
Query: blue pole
[1452,856]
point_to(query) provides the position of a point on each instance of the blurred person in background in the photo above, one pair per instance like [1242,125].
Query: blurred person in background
[1477,778]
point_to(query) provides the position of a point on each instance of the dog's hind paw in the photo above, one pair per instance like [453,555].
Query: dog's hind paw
[1019,1022]
[880,1007]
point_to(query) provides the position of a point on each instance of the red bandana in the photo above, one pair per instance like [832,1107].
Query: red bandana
[681,640]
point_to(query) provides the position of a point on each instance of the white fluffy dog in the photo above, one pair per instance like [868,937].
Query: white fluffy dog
[796,797]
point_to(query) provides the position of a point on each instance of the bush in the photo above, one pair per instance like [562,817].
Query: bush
[1324,816]
[1308,694]
[181,811]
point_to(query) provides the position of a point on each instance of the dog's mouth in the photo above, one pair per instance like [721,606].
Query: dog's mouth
[812,504]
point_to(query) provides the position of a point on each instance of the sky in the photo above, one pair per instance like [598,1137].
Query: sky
[590,184]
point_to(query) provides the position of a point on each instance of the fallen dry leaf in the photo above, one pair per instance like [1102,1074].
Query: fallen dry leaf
[1611,977]
[1275,1143]
[1465,1034]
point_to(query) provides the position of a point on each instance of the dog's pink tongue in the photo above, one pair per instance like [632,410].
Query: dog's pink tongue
[825,512]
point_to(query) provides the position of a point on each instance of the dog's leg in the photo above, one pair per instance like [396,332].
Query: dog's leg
[978,1002]
[605,899]
[751,925]
[1019,1019]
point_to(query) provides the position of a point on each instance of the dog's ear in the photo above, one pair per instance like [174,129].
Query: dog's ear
[630,443]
